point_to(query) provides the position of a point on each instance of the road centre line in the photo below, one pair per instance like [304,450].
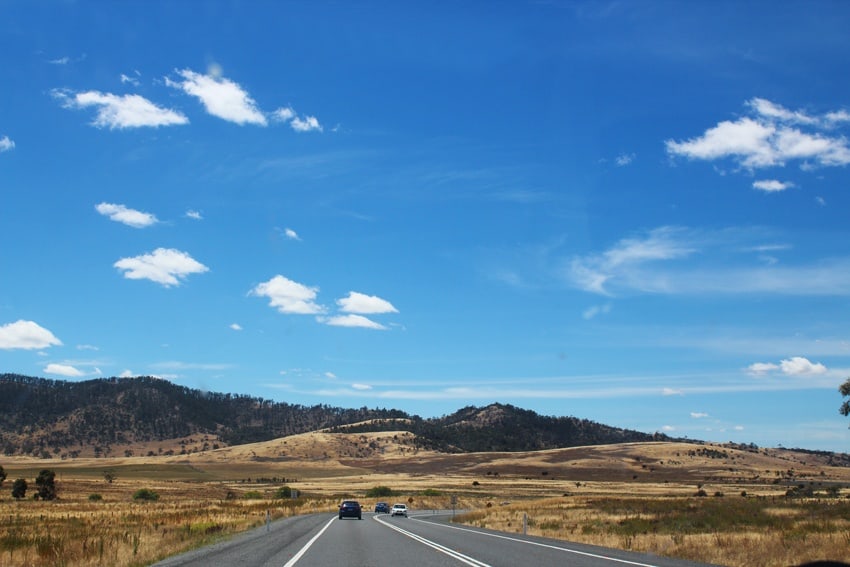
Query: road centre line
[441,548]
[304,549]
[568,550]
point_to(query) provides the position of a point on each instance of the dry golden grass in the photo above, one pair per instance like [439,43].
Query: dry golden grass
[620,496]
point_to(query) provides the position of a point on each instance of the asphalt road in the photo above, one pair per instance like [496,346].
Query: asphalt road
[423,540]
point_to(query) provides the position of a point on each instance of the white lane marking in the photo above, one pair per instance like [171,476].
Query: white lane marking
[568,550]
[441,548]
[304,549]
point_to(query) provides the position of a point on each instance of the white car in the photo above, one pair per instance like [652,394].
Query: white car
[399,510]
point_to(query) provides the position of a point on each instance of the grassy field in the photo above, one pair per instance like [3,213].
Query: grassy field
[638,497]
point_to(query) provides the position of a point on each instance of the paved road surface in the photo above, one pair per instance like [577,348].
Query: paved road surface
[423,540]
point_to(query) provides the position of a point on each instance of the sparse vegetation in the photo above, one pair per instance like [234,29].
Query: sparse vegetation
[145,495]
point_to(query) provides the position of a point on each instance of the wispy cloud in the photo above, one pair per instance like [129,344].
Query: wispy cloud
[26,335]
[63,370]
[120,111]
[221,97]
[165,266]
[677,261]
[623,160]
[288,296]
[770,136]
[194,215]
[124,215]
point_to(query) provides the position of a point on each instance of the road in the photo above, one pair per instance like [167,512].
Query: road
[424,540]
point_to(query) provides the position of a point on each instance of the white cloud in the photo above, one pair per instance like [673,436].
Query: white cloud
[624,159]
[283,114]
[131,80]
[761,368]
[194,215]
[127,374]
[130,217]
[308,124]
[118,112]
[330,375]
[361,387]
[63,370]
[800,366]
[698,415]
[361,303]
[165,266]
[668,428]
[770,138]
[236,326]
[352,321]
[6,144]
[794,366]
[288,296]
[291,234]
[87,347]
[221,97]
[771,185]
[26,335]
[672,392]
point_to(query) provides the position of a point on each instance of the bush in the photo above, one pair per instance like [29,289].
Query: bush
[145,494]
[95,497]
[19,489]
[283,492]
[431,492]
[253,495]
[46,483]
[379,492]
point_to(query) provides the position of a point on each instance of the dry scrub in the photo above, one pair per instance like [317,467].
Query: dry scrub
[729,530]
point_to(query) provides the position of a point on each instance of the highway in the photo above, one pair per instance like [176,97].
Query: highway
[426,539]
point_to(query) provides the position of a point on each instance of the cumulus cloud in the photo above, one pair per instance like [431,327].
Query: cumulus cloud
[194,215]
[288,296]
[307,124]
[365,304]
[63,370]
[771,185]
[165,266]
[120,111]
[800,366]
[770,136]
[122,214]
[794,366]
[6,144]
[26,335]
[236,326]
[352,320]
[221,97]
[291,234]
[624,159]
[283,114]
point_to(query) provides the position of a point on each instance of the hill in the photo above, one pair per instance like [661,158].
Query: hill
[146,415]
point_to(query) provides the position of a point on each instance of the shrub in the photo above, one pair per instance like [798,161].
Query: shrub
[283,492]
[379,492]
[146,495]
[253,495]
[431,492]
[46,483]
[95,497]
[19,489]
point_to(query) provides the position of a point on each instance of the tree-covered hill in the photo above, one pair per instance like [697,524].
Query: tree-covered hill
[52,418]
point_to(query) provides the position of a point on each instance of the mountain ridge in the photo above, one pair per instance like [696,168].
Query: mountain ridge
[104,416]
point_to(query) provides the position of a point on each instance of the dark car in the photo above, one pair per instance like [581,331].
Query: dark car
[350,509]
[382,508]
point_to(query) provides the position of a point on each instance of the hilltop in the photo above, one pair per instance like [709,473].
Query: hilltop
[150,416]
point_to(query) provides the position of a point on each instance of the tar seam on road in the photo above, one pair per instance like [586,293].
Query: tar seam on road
[304,549]
[595,556]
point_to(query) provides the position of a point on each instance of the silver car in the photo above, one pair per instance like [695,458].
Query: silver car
[399,510]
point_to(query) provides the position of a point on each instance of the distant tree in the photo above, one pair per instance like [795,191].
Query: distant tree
[145,495]
[845,391]
[19,489]
[109,475]
[2,475]
[46,483]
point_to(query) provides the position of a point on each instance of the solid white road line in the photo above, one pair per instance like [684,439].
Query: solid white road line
[304,549]
[538,544]
[441,548]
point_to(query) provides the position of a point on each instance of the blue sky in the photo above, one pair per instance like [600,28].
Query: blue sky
[630,212]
